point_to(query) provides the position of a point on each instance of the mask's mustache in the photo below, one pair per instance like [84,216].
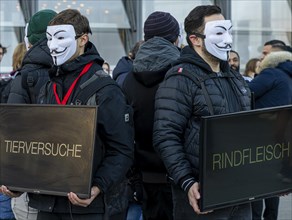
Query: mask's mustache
[227,46]
[58,52]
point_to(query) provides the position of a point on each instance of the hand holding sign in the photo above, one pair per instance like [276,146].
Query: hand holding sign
[4,190]
[194,196]
[75,200]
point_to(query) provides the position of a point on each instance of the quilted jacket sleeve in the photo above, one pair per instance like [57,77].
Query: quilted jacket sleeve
[173,109]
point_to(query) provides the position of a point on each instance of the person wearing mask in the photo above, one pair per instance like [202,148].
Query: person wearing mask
[154,58]
[180,102]
[76,64]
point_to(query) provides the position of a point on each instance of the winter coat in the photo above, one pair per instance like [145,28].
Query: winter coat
[113,154]
[37,61]
[123,67]
[5,207]
[179,105]
[152,61]
[273,86]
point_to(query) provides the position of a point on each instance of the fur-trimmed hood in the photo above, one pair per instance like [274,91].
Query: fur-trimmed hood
[273,59]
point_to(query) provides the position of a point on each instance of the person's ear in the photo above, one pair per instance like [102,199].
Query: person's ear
[196,41]
[83,39]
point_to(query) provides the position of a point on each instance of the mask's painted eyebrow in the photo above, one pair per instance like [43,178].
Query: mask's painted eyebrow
[59,32]
[55,33]
[222,27]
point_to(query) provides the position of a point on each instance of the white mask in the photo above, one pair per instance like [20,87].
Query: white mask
[25,37]
[61,42]
[218,39]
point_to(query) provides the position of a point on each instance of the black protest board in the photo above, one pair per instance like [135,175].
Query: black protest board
[47,149]
[245,157]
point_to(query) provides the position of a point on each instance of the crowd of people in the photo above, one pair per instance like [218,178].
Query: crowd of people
[149,111]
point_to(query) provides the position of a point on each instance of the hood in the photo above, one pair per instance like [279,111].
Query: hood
[153,59]
[286,67]
[189,55]
[90,54]
[124,66]
[39,54]
[273,59]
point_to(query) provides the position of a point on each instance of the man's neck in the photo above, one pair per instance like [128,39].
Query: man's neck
[214,63]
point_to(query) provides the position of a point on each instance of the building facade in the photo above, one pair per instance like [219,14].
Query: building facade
[118,24]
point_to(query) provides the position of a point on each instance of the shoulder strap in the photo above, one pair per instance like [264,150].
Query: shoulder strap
[199,81]
[93,87]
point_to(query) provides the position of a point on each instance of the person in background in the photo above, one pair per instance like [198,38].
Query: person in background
[268,46]
[272,87]
[33,73]
[3,50]
[250,69]
[36,63]
[5,201]
[125,64]
[234,60]
[17,59]
[180,102]
[281,48]
[123,67]
[153,59]
[106,67]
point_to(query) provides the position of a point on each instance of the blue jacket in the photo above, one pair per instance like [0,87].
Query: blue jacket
[273,86]
[5,207]
[124,66]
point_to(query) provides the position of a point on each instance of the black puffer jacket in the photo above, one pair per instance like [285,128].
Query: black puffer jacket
[113,154]
[37,61]
[152,61]
[179,104]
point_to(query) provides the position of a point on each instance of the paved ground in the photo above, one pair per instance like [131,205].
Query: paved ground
[285,209]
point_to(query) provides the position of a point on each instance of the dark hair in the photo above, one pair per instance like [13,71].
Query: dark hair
[4,49]
[73,17]
[134,50]
[275,42]
[233,51]
[251,66]
[282,48]
[194,22]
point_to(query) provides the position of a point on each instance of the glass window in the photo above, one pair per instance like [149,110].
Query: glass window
[256,22]
[177,8]
[10,21]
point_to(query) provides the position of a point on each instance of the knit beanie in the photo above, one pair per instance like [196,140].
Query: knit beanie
[37,25]
[161,24]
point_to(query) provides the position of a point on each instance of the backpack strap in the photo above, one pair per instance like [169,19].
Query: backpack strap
[92,86]
[199,81]
[28,81]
